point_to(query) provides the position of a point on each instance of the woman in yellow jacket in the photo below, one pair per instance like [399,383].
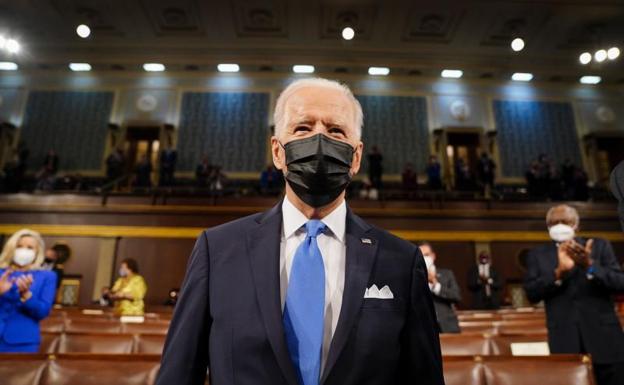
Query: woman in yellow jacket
[129,289]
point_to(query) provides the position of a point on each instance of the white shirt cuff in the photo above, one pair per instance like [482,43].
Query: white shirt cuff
[436,288]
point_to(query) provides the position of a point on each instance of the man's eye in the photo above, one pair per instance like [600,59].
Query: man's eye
[337,131]
[302,129]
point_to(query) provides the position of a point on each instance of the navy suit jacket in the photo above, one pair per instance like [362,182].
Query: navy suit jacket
[229,316]
[19,321]
[580,312]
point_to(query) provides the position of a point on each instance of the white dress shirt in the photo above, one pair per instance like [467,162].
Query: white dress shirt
[333,248]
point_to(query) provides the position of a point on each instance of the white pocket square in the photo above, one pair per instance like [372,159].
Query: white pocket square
[375,292]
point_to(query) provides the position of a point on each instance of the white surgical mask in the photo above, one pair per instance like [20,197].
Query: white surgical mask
[429,262]
[24,256]
[561,232]
[122,272]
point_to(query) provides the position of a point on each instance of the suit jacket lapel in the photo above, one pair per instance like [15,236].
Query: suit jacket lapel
[359,264]
[263,249]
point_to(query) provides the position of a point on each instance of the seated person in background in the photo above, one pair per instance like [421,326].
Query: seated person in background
[26,292]
[129,289]
[444,289]
[484,283]
[172,298]
[577,278]
[202,172]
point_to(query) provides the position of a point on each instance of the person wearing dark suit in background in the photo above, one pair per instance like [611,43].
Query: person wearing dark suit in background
[26,292]
[306,293]
[375,167]
[445,291]
[484,283]
[168,160]
[434,173]
[577,278]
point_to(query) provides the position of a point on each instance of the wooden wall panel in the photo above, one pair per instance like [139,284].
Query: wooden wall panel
[162,262]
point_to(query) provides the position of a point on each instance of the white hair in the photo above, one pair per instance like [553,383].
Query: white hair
[570,212]
[280,117]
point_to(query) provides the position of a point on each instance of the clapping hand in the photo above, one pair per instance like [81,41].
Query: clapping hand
[6,282]
[579,253]
[23,285]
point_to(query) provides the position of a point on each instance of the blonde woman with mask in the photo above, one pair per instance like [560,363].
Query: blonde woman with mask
[26,292]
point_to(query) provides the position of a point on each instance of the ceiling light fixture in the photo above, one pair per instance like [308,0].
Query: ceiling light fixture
[12,46]
[348,33]
[154,67]
[378,71]
[303,69]
[228,67]
[613,53]
[590,79]
[522,77]
[585,58]
[8,66]
[452,74]
[600,55]
[517,44]
[83,31]
[80,67]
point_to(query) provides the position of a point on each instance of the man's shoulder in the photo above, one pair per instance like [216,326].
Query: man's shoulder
[234,228]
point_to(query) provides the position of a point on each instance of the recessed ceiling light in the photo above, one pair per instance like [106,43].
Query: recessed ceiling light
[517,44]
[348,33]
[522,77]
[590,79]
[585,58]
[303,69]
[613,53]
[83,31]
[12,46]
[8,66]
[154,67]
[453,74]
[228,67]
[600,55]
[80,67]
[383,71]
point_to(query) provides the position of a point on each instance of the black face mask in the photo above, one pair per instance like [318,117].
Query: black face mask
[318,168]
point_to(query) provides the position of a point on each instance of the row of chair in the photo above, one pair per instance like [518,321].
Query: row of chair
[104,343]
[452,344]
[486,344]
[536,326]
[92,369]
[96,325]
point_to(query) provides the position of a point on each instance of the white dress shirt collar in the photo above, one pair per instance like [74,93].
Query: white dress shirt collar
[294,220]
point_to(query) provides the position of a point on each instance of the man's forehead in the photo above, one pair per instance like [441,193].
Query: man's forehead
[319,99]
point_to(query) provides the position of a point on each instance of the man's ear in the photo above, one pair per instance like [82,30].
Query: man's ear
[277,152]
[357,158]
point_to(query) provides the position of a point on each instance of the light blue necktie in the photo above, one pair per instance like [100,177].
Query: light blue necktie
[305,307]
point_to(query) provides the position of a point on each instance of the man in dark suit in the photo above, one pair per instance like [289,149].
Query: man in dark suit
[445,291]
[576,278]
[306,293]
[485,284]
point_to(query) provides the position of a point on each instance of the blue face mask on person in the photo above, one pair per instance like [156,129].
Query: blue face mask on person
[123,272]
